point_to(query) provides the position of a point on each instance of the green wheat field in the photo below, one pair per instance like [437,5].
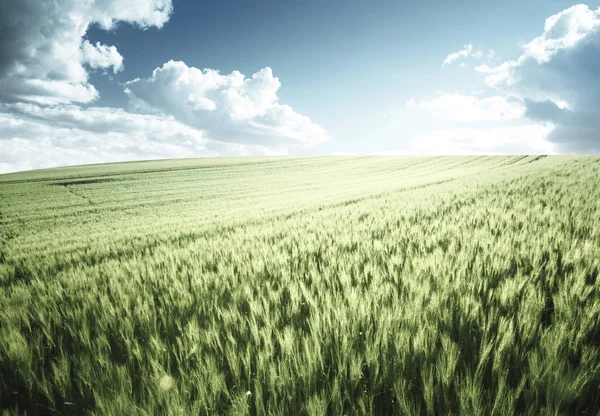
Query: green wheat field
[302,286]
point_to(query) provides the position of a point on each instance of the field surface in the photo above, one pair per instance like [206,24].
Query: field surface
[311,286]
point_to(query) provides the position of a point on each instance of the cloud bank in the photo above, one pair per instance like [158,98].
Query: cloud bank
[552,86]
[34,137]
[43,56]
[181,111]
[512,140]
[468,108]
[230,108]
[556,78]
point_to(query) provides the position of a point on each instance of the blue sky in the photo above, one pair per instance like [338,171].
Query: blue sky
[77,82]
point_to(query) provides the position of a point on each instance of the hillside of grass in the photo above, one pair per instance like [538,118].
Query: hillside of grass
[314,286]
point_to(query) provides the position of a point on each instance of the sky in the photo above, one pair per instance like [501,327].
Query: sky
[114,80]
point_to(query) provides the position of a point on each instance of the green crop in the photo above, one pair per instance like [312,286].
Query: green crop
[313,286]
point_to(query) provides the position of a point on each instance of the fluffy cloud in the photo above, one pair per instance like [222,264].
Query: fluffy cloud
[468,49]
[556,77]
[37,137]
[553,83]
[34,137]
[466,52]
[230,108]
[42,52]
[102,56]
[467,108]
[183,112]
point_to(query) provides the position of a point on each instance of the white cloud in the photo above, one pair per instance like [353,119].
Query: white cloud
[497,75]
[525,139]
[42,52]
[556,77]
[34,137]
[466,52]
[230,108]
[477,54]
[467,108]
[101,56]
[463,53]
[64,135]
[554,83]
[44,63]
[563,31]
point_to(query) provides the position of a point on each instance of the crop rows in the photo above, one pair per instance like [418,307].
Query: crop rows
[456,285]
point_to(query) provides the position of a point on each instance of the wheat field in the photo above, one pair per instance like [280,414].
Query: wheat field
[310,286]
